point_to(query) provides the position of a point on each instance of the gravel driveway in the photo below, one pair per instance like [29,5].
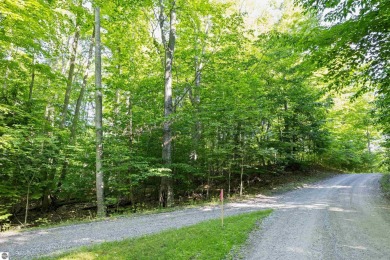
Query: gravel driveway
[340,218]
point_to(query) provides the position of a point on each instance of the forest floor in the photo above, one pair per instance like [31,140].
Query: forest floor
[344,217]
[270,182]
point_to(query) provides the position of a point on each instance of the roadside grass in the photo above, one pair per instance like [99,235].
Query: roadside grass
[385,185]
[206,240]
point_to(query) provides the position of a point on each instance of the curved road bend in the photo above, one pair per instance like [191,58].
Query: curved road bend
[344,217]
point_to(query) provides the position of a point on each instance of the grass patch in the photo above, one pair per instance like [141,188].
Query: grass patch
[206,240]
[385,185]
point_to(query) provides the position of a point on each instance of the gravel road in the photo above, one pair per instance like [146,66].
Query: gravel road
[344,217]
[340,218]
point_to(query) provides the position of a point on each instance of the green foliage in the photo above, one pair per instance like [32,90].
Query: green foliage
[356,147]
[244,97]
[353,46]
[207,240]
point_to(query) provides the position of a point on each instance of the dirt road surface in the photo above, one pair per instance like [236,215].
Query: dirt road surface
[341,218]
[344,217]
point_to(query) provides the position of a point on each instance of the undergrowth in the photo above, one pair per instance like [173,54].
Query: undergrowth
[268,185]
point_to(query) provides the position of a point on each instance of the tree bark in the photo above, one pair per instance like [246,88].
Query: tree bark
[82,91]
[166,189]
[130,134]
[75,121]
[69,81]
[241,175]
[195,96]
[129,104]
[101,210]
[229,179]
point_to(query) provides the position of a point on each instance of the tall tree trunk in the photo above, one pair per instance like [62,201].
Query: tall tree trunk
[101,210]
[76,116]
[208,182]
[50,172]
[130,115]
[166,189]
[68,91]
[82,90]
[27,202]
[130,133]
[28,199]
[49,175]
[64,61]
[69,81]
[195,96]
[241,175]
[229,179]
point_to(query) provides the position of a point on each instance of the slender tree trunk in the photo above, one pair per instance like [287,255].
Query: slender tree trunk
[130,114]
[82,90]
[75,121]
[208,182]
[241,175]
[50,172]
[166,189]
[64,113]
[101,210]
[131,137]
[195,97]
[27,201]
[47,202]
[64,61]
[69,81]
[229,174]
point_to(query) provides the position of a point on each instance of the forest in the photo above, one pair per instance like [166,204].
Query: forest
[149,103]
